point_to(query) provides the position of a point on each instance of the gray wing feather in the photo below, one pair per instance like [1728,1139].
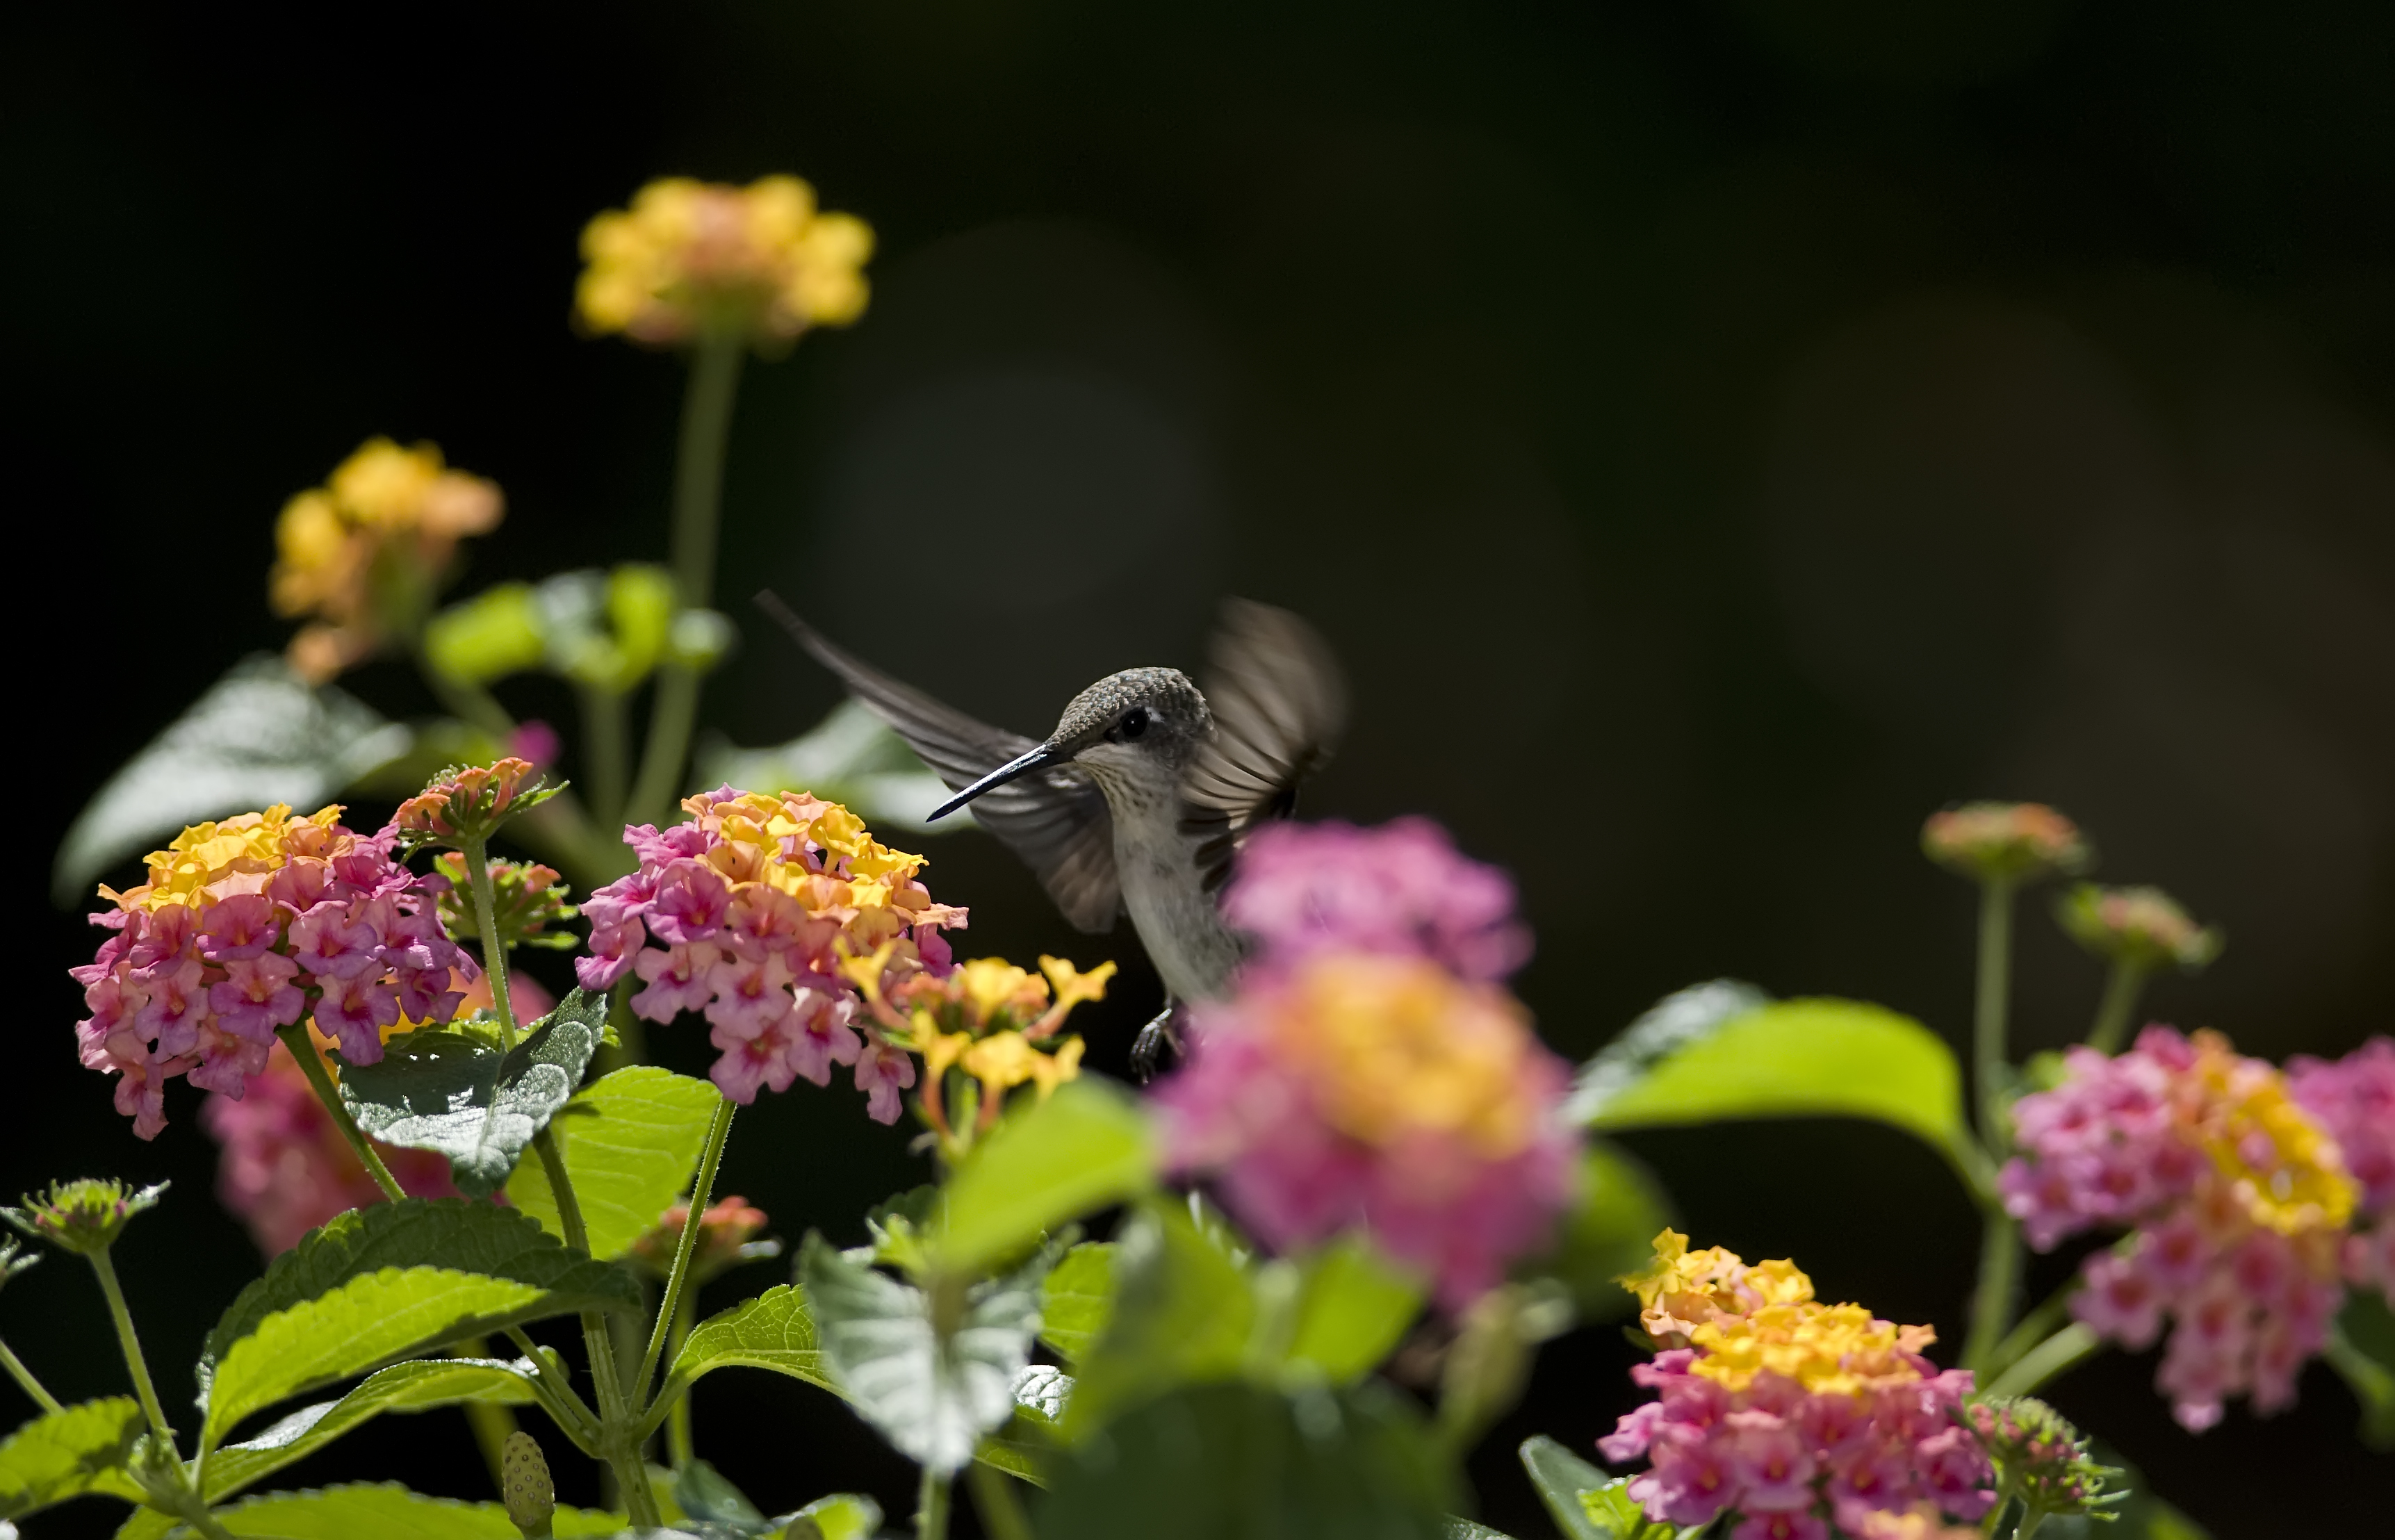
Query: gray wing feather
[1055,819]
[1279,705]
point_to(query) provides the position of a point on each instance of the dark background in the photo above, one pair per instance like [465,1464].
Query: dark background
[1714,435]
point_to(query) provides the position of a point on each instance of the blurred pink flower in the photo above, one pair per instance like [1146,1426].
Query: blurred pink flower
[1402,887]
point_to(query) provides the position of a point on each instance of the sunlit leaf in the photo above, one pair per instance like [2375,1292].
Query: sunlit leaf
[65,1453]
[1205,1461]
[411,1386]
[455,1093]
[630,1141]
[932,1394]
[1077,1297]
[773,1331]
[1609,1231]
[261,735]
[841,1516]
[390,1513]
[1084,1148]
[1352,1309]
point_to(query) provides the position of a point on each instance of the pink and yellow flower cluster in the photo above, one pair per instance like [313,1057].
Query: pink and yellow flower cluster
[756,900]
[1368,1071]
[989,1018]
[692,258]
[2353,1098]
[2236,1196]
[245,926]
[1792,1414]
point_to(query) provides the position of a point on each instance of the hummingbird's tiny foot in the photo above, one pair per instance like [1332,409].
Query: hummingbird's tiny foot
[1148,1048]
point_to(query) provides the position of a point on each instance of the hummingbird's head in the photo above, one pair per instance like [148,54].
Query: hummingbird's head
[1135,728]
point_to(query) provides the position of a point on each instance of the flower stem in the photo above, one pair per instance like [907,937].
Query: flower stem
[604,740]
[494,957]
[2121,989]
[1002,1511]
[932,1506]
[1991,1305]
[1988,1018]
[2048,1359]
[702,1189]
[312,1064]
[617,1441]
[678,1451]
[557,1398]
[126,1338]
[24,1378]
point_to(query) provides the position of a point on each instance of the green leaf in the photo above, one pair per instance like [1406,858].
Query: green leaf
[261,735]
[1698,1058]
[419,1232]
[841,1516]
[773,1331]
[1352,1309]
[630,1141]
[1024,1446]
[1205,1461]
[1084,1148]
[2362,1348]
[1185,1312]
[411,1386]
[1077,1298]
[1453,1528]
[1610,1232]
[65,1453]
[452,1092]
[931,1393]
[391,1512]
[704,1494]
[494,634]
[1560,1477]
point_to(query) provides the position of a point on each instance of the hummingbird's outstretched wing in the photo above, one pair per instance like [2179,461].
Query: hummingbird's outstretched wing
[1279,703]
[1055,819]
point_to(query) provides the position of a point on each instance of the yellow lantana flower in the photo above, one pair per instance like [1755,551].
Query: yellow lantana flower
[690,258]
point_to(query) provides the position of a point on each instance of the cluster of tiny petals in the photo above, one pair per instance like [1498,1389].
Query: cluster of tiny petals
[996,1022]
[691,257]
[2236,1197]
[465,799]
[246,925]
[1369,1071]
[1792,1414]
[2143,925]
[755,900]
[2003,841]
[2353,1098]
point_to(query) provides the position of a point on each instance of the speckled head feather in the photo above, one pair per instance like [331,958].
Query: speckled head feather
[1173,706]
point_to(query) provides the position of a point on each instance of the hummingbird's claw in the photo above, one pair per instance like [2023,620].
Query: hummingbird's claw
[1154,1038]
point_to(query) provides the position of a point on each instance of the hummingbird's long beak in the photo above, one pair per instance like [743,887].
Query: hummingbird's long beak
[1043,755]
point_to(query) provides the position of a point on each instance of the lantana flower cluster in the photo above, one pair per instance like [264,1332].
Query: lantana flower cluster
[2236,1197]
[362,554]
[2353,1098]
[2006,842]
[1792,1414]
[692,258]
[1369,1071]
[989,1018]
[245,926]
[755,900]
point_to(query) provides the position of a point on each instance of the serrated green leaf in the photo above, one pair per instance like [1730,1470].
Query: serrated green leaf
[452,1092]
[420,1233]
[1205,1461]
[391,1512]
[1084,1148]
[65,1453]
[773,1331]
[1816,1058]
[931,1395]
[1352,1309]
[1077,1298]
[1185,1312]
[1559,1476]
[414,1385]
[261,735]
[1609,1231]
[630,1141]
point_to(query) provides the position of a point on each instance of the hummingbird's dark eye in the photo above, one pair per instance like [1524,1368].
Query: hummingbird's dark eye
[1134,722]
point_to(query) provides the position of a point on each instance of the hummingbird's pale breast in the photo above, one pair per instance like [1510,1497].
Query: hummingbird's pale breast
[1164,889]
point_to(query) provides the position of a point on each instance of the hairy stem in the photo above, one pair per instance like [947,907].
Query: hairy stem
[2121,987]
[494,957]
[559,1399]
[303,1049]
[702,1189]
[616,1438]
[127,1339]
[678,1451]
[1988,1019]
[2042,1363]
[24,1378]
[931,1506]
[1991,1304]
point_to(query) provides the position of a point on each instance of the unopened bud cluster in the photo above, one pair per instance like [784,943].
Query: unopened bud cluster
[2011,842]
[527,900]
[2040,1458]
[82,1217]
[2142,926]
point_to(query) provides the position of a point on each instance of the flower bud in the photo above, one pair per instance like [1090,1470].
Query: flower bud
[2143,927]
[84,1216]
[524,1485]
[2010,842]
[2039,1457]
[467,801]
[726,1237]
[526,899]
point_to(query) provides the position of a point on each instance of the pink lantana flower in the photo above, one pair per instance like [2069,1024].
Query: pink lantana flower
[2354,1099]
[246,927]
[2236,1197]
[1401,888]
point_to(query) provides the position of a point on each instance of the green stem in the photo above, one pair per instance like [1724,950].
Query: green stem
[604,740]
[1002,1511]
[312,1064]
[2042,1363]
[2049,1317]
[671,716]
[1991,1305]
[558,1397]
[616,1438]
[127,1339]
[678,1450]
[2121,989]
[559,830]
[494,957]
[931,1506]
[1988,1019]
[24,1377]
[701,1190]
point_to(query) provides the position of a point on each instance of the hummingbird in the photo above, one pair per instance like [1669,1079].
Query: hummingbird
[1141,797]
